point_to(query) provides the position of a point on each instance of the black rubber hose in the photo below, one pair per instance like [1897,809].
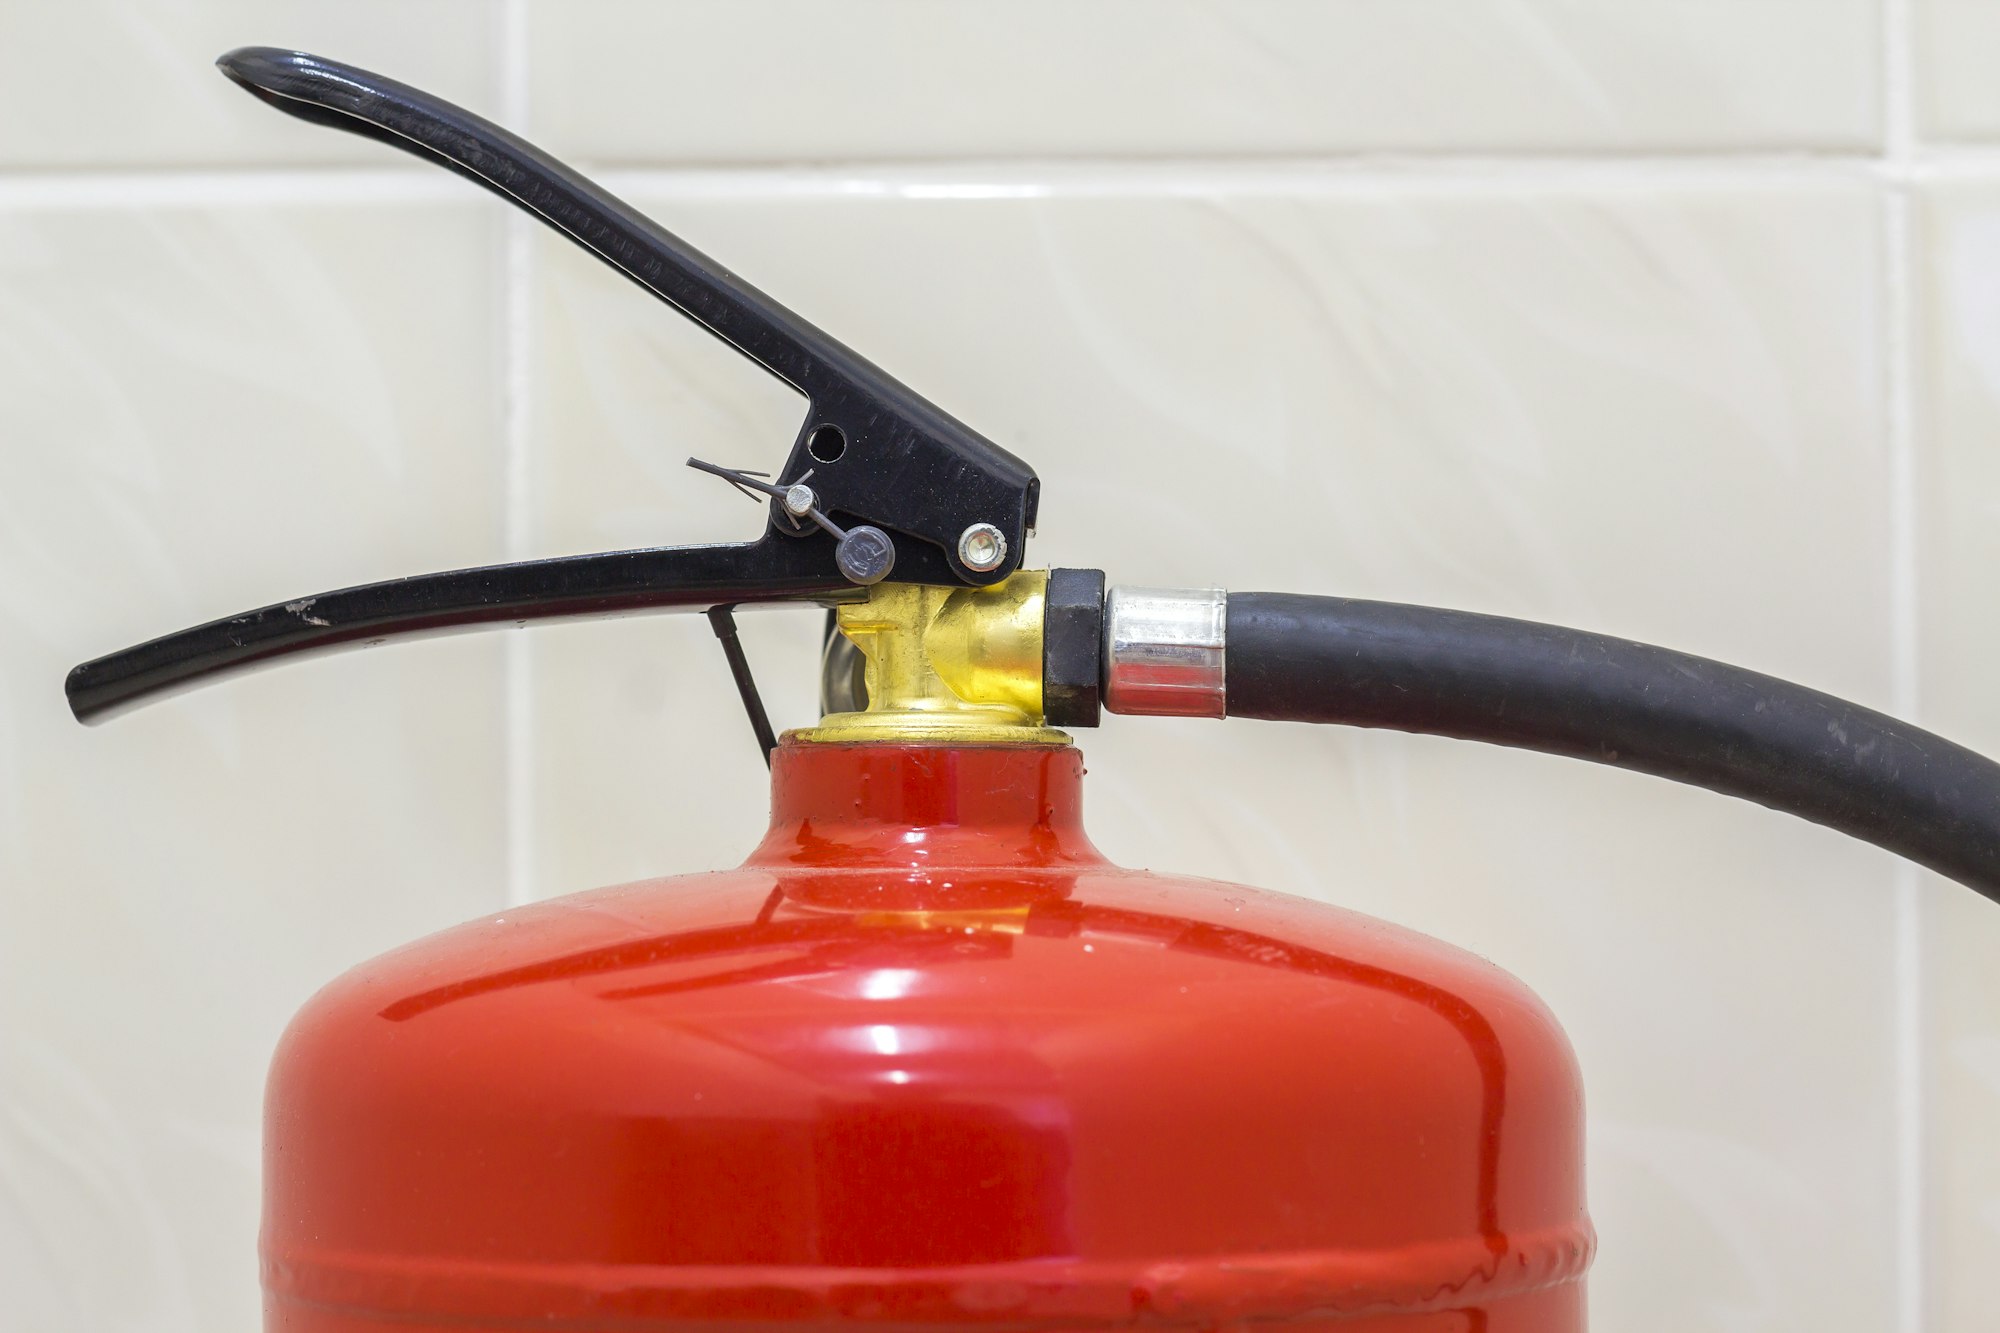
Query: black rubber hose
[1561,691]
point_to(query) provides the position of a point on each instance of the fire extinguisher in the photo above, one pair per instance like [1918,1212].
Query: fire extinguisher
[927,1060]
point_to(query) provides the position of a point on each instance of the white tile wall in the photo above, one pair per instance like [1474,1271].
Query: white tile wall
[1675,320]
[793,80]
[93,83]
[1957,97]
[198,405]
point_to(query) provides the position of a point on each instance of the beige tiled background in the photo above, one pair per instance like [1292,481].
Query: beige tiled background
[1675,320]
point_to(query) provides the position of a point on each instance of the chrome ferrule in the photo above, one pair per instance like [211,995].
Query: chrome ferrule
[1163,651]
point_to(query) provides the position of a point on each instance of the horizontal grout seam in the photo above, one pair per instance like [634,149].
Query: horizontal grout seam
[1005,179]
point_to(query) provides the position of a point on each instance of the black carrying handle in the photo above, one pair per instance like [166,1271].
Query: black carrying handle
[684,578]
[1588,696]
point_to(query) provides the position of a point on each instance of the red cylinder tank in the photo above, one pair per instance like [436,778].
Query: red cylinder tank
[926,1060]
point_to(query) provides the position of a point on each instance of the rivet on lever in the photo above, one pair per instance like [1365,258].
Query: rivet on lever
[982,547]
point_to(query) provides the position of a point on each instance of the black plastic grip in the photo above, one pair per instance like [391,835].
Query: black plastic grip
[879,451]
[613,583]
[1563,691]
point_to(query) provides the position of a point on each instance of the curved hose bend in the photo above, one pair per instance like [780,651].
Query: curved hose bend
[1541,687]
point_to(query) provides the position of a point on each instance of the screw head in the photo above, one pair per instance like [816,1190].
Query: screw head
[865,555]
[799,500]
[982,547]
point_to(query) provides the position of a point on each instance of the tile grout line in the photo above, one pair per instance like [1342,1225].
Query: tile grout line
[22,191]
[1911,1103]
[1909,894]
[517,351]
[973,179]
[209,189]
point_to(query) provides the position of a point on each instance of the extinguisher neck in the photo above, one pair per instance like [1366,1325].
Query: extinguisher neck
[948,667]
[873,807]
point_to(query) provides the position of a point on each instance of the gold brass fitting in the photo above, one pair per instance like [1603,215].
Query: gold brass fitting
[956,666]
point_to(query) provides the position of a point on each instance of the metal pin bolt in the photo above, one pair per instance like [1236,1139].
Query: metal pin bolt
[864,554]
[982,547]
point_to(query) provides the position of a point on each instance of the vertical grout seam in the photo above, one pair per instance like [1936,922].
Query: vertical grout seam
[517,351]
[1899,278]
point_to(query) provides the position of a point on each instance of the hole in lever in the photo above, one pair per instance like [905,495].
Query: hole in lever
[827,444]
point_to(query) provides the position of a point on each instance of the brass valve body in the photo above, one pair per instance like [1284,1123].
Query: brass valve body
[958,666]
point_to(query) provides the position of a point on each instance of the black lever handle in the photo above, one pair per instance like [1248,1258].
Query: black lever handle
[880,452]
[684,577]
[887,463]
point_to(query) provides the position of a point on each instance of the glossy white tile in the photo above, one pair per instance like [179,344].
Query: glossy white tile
[201,412]
[1656,412]
[132,83]
[1953,47]
[1958,269]
[791,80]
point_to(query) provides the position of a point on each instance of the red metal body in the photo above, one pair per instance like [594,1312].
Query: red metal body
[925,1060]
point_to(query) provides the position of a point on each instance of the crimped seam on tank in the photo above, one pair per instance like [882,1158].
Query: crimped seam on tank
[1441,1275]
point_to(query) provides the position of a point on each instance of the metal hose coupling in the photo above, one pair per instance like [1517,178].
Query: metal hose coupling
[1163,651]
